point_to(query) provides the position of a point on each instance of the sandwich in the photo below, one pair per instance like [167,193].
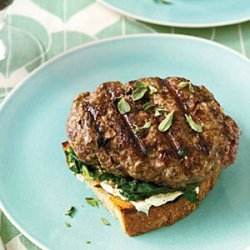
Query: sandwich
[150,149]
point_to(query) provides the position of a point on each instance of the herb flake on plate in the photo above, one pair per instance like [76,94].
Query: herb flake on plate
[163,1]
[105,221]
[67,224]
[70,212]
[92,201]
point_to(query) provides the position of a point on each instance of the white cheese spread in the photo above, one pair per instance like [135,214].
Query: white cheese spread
[144,205]
[155,200]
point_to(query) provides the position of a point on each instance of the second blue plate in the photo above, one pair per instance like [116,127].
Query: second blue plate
[184,13]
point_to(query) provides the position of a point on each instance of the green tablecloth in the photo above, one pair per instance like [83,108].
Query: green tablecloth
[63,24]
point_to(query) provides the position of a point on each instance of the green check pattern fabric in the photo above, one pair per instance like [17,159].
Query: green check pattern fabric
[63,24]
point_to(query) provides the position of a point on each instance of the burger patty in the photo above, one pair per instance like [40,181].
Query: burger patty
[133,144]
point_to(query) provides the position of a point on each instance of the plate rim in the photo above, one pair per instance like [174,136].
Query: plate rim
[173,24]
[86,45]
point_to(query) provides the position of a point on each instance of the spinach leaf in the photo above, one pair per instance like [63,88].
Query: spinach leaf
[133,190]
[74,164]
[78,167]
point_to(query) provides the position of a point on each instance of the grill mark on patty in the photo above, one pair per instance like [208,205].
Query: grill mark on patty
[139,142]
[184,109]
[93,114]
[167,140]
[176,144]
[157,167]
[101,141]
[141,148]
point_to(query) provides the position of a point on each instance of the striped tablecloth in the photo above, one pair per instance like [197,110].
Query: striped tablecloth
[63,24]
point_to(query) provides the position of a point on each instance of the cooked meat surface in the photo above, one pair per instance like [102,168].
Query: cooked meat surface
[100,135]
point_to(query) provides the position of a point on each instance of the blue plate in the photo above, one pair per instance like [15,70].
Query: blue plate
[184,13]
[36,186]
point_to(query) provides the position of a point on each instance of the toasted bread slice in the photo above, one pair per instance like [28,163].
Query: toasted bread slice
[134,222]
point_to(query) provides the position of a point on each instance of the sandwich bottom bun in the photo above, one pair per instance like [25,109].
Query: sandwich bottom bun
[135,223]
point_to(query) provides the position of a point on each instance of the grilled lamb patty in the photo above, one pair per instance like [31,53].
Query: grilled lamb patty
[100,135]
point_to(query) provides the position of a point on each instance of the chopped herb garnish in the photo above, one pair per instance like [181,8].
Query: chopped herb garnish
[123,106]
[191,88]
[105,222]
[67,224]
[137,129]
[70,212]
[140,90]
[138,93]
[159,111]
[182,153]
[195,126]
[163,1]
[88,242]
[140,85]
[152,89]
[92,201]
[182,85]
[145,126]
[148,105]
[166,123]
